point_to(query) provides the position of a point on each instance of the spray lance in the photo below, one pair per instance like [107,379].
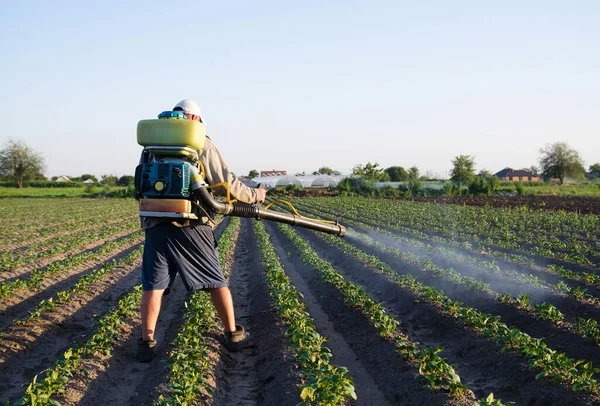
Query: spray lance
[170,177]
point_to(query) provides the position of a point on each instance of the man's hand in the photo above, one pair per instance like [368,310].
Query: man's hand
[260,194]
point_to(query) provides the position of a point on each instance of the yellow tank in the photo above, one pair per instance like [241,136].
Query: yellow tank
[171,132]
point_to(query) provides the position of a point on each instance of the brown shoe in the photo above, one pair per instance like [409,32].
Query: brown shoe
[236,340]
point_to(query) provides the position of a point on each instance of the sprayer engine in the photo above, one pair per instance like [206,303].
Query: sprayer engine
[169,169]
[170,180]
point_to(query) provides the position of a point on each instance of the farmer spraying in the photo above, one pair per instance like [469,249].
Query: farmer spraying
[188,246]
[178,166]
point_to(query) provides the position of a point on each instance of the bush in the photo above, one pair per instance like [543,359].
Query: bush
[129,191]
[293,188]
[415,185]
[484,185]
[448,188]
[42,184]
[520,188]
[356,186]
[387,191]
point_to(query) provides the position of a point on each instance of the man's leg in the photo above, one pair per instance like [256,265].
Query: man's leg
[221,298]
[151,301]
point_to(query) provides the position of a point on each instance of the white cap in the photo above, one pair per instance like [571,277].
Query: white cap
[190,107]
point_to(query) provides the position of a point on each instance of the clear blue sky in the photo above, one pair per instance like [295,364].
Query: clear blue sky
[299,85]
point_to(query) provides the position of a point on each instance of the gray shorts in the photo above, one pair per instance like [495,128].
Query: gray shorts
[191,251]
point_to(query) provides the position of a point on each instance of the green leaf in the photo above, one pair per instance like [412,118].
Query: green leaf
[307,393]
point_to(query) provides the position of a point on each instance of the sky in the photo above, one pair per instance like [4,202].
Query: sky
[300,85]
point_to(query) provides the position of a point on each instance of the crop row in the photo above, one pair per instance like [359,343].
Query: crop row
[45,211]
[324,383]
[42,242]
[63,220]
[35,252]
[82,284]
[106,334]
[488,226]
[542,311]
[491,266]
[189,363]
[36,277]
[585,327]
[433,370]
[385,222]
[556,365]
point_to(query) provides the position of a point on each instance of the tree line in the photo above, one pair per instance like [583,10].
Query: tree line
[19,163]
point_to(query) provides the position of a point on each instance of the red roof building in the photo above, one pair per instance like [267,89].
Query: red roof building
[509,174]
[273,173]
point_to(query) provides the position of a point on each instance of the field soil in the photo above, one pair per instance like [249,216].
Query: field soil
[264,372]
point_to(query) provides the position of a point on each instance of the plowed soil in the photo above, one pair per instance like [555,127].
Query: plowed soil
[264,373]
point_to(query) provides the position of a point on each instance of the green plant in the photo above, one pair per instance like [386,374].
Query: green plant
[520,188]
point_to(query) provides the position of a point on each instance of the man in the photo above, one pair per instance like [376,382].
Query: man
[189,248]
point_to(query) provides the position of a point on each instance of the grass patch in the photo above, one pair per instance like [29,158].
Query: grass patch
[84,191]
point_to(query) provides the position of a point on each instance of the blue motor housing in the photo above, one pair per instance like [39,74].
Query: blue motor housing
[163,179]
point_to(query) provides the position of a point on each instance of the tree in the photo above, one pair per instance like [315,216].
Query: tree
[303,173]
[485,183]
[414,180]
[325,170]
[429,175]
[559,160]
[463,170]
[253,174]
[87,176]
[594,171]
[20,162]
[126,180]
[109,180]
[369,171]
[397,173]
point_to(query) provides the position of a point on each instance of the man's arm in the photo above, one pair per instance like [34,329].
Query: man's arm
[217,171]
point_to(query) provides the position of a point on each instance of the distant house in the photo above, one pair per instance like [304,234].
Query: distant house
[509,174]
[63,178]
[88,182]
[273,173]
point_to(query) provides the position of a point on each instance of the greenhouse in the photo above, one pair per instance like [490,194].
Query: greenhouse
[318,180]
[273,181]
[303,181]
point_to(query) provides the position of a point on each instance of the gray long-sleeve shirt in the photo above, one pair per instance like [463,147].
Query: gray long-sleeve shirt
[216,171]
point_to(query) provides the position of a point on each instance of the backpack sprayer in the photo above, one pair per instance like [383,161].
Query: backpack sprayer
[170,178]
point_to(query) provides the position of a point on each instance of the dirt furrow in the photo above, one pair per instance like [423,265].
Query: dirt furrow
[262,373]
